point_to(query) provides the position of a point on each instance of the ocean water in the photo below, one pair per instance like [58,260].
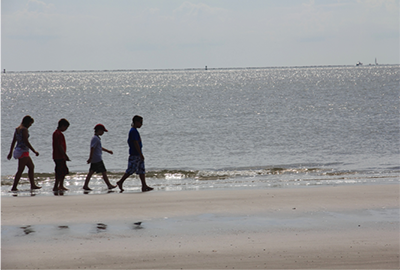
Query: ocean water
[216,128]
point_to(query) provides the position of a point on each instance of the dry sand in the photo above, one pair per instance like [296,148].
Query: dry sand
[344,227]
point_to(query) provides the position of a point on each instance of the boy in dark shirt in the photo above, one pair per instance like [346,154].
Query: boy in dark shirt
[136,158]
[60,155]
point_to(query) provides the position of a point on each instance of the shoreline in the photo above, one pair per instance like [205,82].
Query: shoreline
[315,227]
[183,184]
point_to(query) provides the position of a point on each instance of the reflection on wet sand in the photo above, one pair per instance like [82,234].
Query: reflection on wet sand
[28,229]
[17,193]
[74,229]
[137,225]
[59,192]
[101,227]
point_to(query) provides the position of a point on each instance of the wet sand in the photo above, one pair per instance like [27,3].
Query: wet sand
[344,227]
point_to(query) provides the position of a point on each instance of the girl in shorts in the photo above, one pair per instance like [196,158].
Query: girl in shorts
[21,152]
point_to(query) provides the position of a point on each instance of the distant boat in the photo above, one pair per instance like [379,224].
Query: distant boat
[376,61]
[359,64]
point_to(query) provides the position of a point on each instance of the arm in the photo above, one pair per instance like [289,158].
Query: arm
[62,151]
[26,141]
[91,155]
[106,150]
[12,147]
[137,146]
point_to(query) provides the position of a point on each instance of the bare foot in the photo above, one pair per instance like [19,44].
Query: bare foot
[63,188]
[145,189]
[87,188]
[36,187]
[120,186]
[111,187]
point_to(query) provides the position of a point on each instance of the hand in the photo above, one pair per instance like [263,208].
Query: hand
[9,156]
[110,152]
[89,160]
[141,156]
[36,153]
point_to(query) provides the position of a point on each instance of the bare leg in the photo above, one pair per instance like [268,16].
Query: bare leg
[105,178]
[56,184]
[31,172]
[145,187]
[86,185]
[62,184]
[121,182]
[59,184]
[21,166]
[57,179]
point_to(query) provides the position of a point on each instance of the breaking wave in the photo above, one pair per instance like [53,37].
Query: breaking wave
[181,179]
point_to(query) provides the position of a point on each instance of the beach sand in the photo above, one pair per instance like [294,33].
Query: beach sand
[343,227]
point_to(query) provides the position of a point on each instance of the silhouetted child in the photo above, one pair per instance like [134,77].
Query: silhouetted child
[60,155]
[21,152]
[95,158]
[136,158]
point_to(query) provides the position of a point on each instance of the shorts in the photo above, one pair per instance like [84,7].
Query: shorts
[61,168]
[135,165]
[24,154]
[19,153]
[98,167]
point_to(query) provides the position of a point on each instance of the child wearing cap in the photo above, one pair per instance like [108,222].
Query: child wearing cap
[95,159]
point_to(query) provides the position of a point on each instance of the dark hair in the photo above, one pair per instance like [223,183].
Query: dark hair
[27,120]
[63,123]
[137,118]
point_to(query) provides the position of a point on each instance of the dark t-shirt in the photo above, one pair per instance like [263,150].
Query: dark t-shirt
[58,139]
[134,136]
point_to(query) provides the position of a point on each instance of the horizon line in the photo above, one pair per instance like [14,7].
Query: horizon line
[206,68]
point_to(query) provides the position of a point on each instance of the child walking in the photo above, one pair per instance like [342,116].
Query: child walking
[136,158]
[60,155]
[21,152]
[95,158]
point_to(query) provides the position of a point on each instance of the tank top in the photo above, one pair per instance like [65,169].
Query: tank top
[20,142]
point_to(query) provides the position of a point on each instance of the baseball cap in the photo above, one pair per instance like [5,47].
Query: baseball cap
[100,126]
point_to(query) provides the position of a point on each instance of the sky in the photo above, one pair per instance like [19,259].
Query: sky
[41,35]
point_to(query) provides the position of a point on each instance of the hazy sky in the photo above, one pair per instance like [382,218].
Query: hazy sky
[164,34]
